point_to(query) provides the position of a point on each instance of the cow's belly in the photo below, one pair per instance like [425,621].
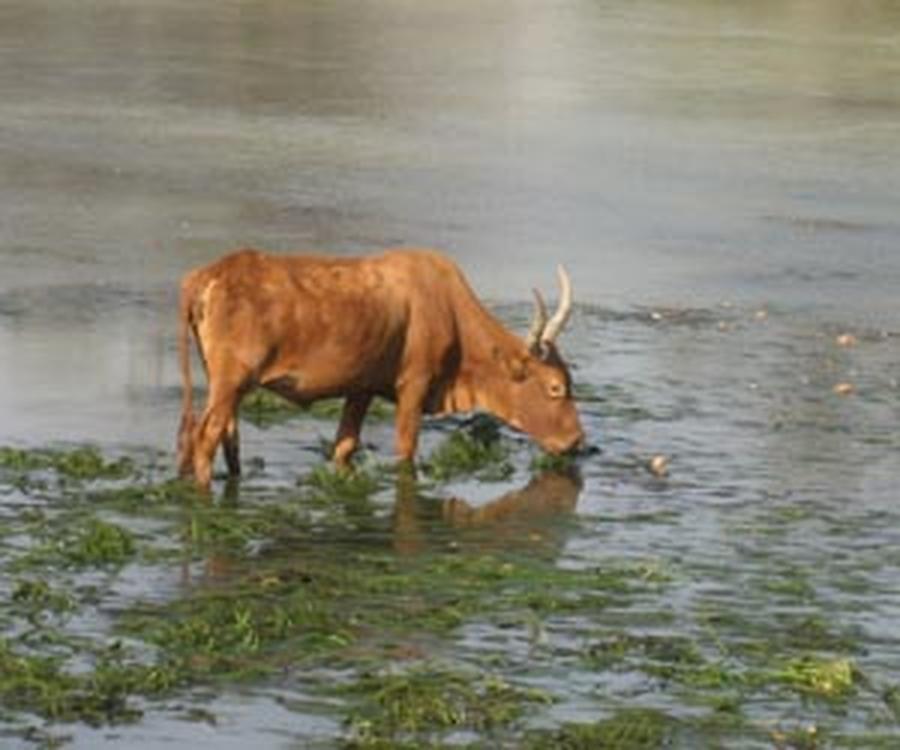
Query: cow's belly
[324,374]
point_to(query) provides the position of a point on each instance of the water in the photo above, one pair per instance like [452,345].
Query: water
[720,179]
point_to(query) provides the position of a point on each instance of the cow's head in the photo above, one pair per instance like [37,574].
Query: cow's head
[539,398]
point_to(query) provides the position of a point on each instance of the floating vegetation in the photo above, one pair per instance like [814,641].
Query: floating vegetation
[615,649]
[380,608]
[91,543]
[265,408]
[37,595]
[478,449]
[330,484]
[41,685]
[99,543]
[629,729]
[79,463]
[429,698]
[241,636]
[144,496]
[559,463]
[825,678]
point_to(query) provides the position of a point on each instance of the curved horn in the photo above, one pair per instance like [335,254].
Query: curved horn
[561,316]
[538,322]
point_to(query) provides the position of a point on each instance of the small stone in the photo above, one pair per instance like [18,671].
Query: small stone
[846,340]
[844,389]
[659,466]
[761,315]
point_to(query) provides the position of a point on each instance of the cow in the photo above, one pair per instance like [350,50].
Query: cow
[403,324]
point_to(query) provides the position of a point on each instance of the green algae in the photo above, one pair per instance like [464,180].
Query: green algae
[42,685]
[82,463]
[146,496]
[35,595]
[99,543]
[329,484]
[88,542]
[430,698]
[264,408]
[628,729]
[240,637]
[282,585]
[562,463]
[264,618]
[820,677]
[619,647]
[478,449]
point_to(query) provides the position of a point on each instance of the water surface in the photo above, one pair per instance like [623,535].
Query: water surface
[720,180]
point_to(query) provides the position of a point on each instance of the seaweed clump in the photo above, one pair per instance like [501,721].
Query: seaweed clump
[628,729]
[84,462]
[404,705]
[477,449]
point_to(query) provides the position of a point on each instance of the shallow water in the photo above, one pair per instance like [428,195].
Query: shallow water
[719,180]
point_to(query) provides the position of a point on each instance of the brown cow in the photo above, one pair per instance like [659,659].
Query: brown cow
[404,325]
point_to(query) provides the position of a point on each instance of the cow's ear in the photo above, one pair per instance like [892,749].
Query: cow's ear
[516,367]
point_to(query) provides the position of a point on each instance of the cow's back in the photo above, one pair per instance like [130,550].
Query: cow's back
[321,325]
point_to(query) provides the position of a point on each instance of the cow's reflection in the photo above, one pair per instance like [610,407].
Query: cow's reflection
[528,517]
[523,517]
[548,494]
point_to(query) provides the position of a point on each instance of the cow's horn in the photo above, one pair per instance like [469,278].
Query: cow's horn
[538,322]
[561,316]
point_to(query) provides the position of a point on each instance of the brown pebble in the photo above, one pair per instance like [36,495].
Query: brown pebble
[846,340]
[844,389]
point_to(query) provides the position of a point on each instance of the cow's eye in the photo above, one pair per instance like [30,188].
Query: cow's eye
[556,390]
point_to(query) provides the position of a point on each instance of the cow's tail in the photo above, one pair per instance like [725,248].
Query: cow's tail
[186,428]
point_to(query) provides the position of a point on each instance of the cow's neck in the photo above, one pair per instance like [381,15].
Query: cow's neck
[482,381]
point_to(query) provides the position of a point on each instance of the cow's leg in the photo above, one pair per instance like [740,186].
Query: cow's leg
[186,448]
[231,446]
[218,415]
[410,400]
[347,439]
